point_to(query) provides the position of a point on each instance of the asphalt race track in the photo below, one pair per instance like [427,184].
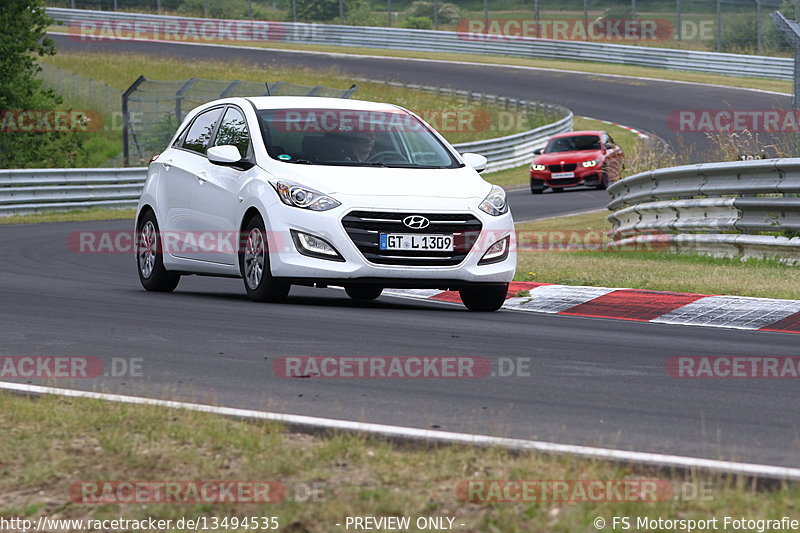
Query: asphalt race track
[591,381]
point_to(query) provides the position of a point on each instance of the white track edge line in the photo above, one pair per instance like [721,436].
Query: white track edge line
[662,460]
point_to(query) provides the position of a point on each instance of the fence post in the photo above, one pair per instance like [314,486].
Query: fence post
[790,30]
[389,12]
[179,97]
[125,120]
[586,18]
[633,9]
[759,28]
[719,25]
[678,22]
[435,14]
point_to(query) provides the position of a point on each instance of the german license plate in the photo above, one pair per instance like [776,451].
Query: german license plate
[411,242]
[561,175]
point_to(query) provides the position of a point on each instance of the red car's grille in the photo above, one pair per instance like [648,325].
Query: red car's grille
[569,167]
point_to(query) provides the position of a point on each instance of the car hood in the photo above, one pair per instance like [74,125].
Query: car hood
[568,157]
[455,183]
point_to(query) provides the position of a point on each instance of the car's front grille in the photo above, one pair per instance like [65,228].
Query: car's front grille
[365,227]
[569,167]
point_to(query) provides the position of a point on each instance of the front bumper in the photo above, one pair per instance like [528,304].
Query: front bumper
[583,176]
[287,263]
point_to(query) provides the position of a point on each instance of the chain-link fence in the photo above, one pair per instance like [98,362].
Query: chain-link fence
[153,109]
[722,25]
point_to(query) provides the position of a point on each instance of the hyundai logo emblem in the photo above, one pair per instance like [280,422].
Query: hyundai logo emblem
[416,222]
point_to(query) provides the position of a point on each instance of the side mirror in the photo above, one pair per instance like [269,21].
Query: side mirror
[609,146]
[476,161]
[226,154]
[538,151]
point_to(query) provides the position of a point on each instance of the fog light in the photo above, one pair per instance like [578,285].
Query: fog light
[496,252]
[313,246]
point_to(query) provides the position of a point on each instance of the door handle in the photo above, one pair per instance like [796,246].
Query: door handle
[167,164]
[202,177]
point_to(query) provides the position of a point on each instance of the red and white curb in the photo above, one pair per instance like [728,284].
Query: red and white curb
[764,314]
[640,134]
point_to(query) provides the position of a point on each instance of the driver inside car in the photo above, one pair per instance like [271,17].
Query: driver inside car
[358,145]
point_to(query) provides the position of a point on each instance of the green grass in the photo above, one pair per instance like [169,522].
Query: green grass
[646,269]
[481,120]
[78,215]
[580,66]
[52,443]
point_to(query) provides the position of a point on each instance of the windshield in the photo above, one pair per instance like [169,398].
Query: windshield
[573,143]
[391,138]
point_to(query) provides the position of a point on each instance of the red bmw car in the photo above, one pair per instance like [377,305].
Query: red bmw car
[590,158]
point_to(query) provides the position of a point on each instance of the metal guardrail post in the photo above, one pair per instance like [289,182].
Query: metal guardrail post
[126,119]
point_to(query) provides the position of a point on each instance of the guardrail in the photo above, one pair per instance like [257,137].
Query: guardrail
[713,208]
[454,42]
[52,189]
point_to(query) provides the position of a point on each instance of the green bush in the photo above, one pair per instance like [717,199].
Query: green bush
[418,23]
[448,13]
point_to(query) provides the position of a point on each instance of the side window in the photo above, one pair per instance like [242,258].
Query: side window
[233,130]
[199,134]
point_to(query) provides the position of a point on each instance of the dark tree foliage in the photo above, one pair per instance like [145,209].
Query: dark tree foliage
[24,24]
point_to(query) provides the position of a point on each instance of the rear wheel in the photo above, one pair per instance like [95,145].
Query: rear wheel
[363,292]
[254,265]
[149,258]
[484,299]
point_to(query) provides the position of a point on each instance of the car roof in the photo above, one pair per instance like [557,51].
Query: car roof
[581,132]
[316,102]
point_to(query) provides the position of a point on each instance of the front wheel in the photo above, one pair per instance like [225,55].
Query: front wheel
[484,299]
[254,265]
[363,292]
[603,185]
[149,257]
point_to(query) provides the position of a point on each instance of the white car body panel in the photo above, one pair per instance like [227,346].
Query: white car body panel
[219,199]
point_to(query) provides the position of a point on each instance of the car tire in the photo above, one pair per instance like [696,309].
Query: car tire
[603,185]
[536,191]
[484,299]
[259,283]
[557,189]
[149,260]
[363,292]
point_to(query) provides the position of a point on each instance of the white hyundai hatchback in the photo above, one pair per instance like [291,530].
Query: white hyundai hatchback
[286,191]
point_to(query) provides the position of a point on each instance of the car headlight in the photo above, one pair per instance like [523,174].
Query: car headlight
[495,203]
[587,164]
[303,197]
[538,168]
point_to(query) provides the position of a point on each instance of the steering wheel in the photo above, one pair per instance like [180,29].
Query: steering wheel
[384,156]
